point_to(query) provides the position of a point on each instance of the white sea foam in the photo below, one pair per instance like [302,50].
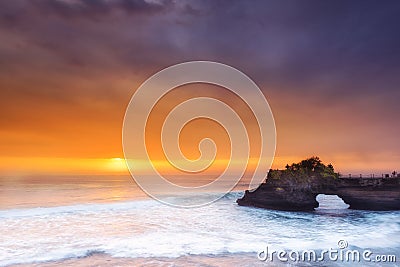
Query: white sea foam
[146,228]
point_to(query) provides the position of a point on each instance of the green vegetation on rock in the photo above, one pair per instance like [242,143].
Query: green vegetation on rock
[306,173]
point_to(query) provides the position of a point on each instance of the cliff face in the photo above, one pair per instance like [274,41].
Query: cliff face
[359,193]
[370,193]
[279,198]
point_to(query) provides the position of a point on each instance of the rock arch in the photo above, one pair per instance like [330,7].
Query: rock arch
[358,193]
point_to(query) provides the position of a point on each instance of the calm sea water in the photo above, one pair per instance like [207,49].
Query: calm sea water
[47,222]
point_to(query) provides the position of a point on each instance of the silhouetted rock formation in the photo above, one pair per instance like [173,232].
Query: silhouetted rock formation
[369,193]
[296,188]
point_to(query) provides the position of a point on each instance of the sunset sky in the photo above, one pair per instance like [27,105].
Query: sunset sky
[330,71]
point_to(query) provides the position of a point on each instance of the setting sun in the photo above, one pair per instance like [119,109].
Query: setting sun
[117,165]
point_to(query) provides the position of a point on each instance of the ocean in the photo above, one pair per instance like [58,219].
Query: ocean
[110,222]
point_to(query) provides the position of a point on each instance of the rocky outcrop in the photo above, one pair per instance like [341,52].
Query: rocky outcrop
[279,198]
[369,193]
[358,193]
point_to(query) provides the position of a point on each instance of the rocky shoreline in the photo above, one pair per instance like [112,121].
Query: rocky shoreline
[296,187]
[358,193]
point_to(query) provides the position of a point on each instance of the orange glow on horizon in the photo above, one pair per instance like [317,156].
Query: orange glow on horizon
[81,143]
[114,166]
